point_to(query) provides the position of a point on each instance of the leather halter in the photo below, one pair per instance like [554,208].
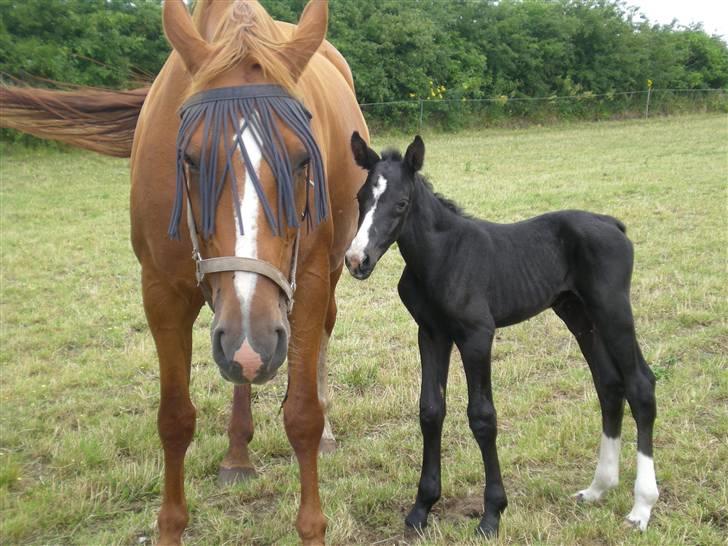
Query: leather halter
[203,266]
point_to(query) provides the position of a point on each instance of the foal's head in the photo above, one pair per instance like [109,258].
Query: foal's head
[249,163]
[384,201]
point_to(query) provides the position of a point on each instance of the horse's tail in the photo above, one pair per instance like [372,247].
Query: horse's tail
[94,119]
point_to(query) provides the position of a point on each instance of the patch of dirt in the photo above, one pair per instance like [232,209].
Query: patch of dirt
[470,507]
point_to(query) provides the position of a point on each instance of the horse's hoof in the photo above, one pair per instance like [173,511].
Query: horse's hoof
[327,445]
[229,476]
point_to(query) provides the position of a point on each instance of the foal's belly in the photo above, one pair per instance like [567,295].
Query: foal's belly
[514,302]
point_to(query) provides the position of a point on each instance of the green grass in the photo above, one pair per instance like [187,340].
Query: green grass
[80,460]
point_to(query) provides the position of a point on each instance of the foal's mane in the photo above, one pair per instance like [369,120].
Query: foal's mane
[244,31]
[449,204]
[391,154]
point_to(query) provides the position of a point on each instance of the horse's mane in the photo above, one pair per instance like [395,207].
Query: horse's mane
[245,31]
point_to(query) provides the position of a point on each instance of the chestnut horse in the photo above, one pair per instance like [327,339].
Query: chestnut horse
[232,47]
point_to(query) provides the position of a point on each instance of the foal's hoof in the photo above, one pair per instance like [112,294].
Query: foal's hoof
[412,533]
[587,495]
[637,521]
[415,523]
[228,476]
[487,528]
[327,445]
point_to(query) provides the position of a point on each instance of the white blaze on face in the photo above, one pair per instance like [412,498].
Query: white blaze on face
[360,242]
[606,475]
[246,245]
[645,492]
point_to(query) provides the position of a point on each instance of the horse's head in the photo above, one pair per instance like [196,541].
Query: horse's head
[249,169]
[384,201]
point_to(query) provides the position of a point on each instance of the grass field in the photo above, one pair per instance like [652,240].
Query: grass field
[80,462]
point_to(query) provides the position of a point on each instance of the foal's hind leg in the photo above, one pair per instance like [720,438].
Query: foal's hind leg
[610,391]
[613,319]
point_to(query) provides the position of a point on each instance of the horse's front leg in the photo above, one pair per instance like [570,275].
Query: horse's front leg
[475,350]
[236,465]
[170,316]
[435,347]
[303,415]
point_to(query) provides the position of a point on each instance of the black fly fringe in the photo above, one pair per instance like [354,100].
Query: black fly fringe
[251,107]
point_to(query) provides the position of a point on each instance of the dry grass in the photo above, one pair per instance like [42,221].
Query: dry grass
[79,455]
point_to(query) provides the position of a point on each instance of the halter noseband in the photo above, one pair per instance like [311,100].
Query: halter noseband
[219,110]
[236,263]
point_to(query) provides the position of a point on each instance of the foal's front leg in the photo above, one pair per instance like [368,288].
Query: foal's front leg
[475,351]
[435,348]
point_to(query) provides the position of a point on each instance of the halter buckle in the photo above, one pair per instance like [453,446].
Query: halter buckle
[199,274]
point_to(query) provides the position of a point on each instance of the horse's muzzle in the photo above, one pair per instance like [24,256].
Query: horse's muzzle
[241,362]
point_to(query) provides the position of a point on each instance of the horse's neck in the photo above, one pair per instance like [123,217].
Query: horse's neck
[425,228]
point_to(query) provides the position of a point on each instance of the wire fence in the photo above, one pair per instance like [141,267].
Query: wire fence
[452,114]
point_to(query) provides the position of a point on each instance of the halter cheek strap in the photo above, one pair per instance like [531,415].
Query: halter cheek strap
[203,266]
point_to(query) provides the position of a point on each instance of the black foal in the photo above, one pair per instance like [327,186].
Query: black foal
[466,277]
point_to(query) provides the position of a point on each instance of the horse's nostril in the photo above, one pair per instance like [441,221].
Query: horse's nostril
[365,261]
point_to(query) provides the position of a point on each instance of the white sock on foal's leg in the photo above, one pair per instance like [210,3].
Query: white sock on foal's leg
[645,492]
[606,475]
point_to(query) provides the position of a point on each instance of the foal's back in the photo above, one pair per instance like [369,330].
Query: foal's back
[523,267]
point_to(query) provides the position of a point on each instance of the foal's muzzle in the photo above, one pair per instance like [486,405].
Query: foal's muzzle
[359,265]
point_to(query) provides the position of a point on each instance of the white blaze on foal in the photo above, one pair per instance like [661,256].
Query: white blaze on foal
[360,242]
[246,244]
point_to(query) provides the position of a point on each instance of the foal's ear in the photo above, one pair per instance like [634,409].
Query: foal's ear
[415,155]
[183,36]
[364,156]
[308,36]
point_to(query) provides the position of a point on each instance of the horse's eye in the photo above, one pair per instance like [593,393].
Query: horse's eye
[191,163]
[402,205]
[302,164]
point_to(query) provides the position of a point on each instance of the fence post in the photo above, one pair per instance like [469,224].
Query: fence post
[422,108]
[647,103]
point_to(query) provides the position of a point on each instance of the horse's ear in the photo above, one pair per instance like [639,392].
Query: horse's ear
[364,156]
[307,38]
[183,36]
[415,155]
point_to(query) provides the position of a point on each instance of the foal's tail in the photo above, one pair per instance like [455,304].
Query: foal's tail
[615,222]
[99,120]
[620,225]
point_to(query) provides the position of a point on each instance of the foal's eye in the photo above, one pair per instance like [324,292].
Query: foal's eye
[402,205]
